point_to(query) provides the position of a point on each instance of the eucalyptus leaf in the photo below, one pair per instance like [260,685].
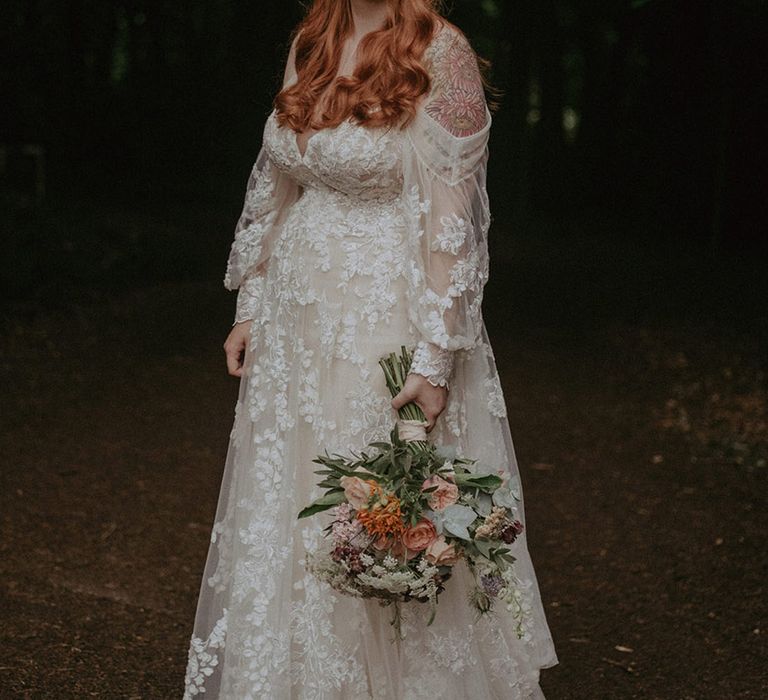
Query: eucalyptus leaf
[514,486]
[503,498]
[484,547]
[508,495]
[437,518]
[484,504]
[456,520]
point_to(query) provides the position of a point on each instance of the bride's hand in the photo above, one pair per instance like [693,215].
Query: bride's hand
[430,399]
[235,346]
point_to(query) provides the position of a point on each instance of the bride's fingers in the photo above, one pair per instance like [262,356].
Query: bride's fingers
[402,398]
[429,414]
[434,413]
[234,366]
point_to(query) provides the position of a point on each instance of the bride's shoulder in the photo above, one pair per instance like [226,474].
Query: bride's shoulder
[448,45]
[456,98]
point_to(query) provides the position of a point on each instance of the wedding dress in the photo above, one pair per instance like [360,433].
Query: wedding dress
[371,239]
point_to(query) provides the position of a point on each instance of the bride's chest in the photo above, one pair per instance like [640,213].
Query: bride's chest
[351,158]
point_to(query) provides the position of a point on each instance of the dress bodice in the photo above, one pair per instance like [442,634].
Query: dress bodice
[364,163]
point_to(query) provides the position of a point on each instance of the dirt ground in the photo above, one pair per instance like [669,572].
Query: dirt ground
[642,444]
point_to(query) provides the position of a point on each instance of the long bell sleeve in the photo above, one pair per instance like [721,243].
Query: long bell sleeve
[445,157]
[269,193]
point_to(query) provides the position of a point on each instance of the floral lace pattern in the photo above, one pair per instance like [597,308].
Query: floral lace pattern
[369,240]
[249,296]
[432,362]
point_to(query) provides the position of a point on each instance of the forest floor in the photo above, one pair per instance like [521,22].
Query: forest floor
[636,389]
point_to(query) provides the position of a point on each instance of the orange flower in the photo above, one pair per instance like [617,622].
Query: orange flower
[383,517]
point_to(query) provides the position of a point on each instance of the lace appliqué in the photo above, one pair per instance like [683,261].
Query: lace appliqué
[451,238]
[373,238]
[370,417]
[203,658]
[257,216]
[496,406]
[249,298]
[432,362]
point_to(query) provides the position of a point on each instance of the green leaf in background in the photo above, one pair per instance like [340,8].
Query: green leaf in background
[323,503]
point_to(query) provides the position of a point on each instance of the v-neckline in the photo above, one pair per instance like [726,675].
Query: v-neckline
[293,137]
[295,140]
[296,135]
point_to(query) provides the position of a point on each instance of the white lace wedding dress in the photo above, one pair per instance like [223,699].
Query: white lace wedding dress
[369,240]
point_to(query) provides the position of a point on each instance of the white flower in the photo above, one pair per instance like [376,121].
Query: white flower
[451,238]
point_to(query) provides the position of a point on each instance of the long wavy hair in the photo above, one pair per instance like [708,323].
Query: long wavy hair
[389,74]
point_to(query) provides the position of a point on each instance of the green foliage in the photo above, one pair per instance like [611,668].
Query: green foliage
[330,499]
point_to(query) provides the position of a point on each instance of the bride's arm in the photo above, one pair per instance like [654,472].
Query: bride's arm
[444,171]
[268,192]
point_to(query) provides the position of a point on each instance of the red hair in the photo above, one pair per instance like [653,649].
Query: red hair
[389,72]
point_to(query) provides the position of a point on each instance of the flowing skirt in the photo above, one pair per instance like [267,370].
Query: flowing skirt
[265,628]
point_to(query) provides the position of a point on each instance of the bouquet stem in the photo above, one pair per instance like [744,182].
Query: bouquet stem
[396,368]
[397,621]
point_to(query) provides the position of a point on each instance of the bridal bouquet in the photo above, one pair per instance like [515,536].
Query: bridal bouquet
[405,512]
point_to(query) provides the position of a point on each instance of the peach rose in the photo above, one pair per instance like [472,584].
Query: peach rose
[382,543]
[394,545]
[356,491]
[446,493]
[420,536]
[441,553]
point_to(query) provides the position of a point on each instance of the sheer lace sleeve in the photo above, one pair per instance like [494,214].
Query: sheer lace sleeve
[444,186]
[268,194]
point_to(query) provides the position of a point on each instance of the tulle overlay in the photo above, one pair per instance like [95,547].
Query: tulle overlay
[369,240]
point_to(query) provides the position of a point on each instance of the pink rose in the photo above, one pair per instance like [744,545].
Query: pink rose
[441,553]
[356,491]
[420,536]
[446,493]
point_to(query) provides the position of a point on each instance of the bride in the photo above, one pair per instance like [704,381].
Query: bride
[363,229]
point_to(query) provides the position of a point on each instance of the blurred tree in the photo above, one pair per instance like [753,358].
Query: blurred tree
[649,108]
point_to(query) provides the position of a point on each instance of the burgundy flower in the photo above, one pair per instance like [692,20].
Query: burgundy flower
[510,532]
